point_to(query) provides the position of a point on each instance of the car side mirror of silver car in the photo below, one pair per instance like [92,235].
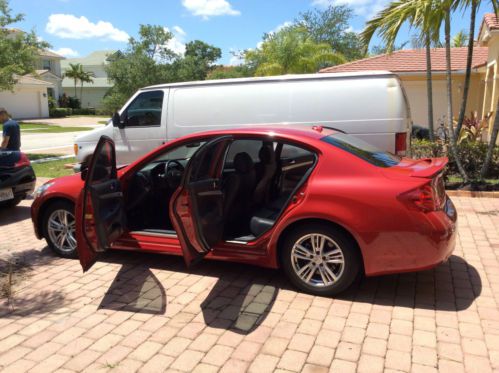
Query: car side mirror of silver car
[117,121]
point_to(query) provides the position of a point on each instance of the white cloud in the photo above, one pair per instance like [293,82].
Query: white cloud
[66,52]
[178,30]
[210,8]
[281,26]
[68,26]
[177,43]
[364,8]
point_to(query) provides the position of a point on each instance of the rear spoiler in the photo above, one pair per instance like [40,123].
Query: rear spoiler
[435,166]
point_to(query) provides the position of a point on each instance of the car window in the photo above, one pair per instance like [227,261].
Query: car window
[252,147]
[290,151]
[362,149]
[182,152]
[145,110]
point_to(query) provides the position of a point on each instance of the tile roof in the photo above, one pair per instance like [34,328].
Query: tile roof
[49,53]
[413,60]
[492,21]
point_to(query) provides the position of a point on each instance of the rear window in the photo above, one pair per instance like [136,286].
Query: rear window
[362,150]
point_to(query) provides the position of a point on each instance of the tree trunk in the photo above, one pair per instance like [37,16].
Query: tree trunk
[468,68]
[81,94]
[450,127]
[429,87]
[75,90]
[492,144]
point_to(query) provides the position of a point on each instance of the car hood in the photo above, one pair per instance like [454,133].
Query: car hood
[70,185]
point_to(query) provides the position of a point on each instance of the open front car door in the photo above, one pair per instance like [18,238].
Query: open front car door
[100,217]
[196,208]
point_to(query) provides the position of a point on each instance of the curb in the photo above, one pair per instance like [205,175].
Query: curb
[472,194]
[43,160]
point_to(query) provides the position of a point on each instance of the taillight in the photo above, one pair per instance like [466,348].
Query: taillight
[400,143]
[23,161]
[422,198]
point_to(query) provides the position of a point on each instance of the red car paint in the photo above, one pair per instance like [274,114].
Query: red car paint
[342,189]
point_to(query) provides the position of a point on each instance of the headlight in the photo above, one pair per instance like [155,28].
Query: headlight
[42,189]
[75,147]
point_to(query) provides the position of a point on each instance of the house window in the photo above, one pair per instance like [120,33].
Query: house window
[46,64]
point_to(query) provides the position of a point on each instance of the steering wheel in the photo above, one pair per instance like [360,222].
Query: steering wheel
[173,173]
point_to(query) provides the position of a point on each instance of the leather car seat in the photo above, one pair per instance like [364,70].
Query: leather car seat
[238,192]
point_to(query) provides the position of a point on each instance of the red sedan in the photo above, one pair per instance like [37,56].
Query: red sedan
[323,205]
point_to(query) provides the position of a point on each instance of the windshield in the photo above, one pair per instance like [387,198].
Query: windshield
[362,150]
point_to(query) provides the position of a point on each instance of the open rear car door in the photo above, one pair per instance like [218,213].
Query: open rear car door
[100,216]
[196,208]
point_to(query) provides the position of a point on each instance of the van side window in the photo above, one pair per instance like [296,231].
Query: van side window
[145,110]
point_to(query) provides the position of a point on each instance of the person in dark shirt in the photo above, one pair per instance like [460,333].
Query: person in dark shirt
[11,132]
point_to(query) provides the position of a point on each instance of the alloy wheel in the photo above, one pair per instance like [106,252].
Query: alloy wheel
[317,260]
[61,230]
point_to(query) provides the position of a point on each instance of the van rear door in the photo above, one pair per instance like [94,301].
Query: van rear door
[143,122]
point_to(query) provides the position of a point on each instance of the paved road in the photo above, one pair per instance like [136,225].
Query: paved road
[71,121]
[137,312]
[55,143]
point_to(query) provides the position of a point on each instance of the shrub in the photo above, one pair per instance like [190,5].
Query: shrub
[84,111]
[60,112]
[472,154]
[74,103]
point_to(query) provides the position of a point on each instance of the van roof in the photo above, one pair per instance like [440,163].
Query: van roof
[277,78]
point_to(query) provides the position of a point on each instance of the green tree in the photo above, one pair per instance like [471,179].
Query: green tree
[473,5]
[290,50]
[331,26]
[198,61]
[230,72]
[74,72]
[85,77]
[145,61]
[19,51]
[460,39]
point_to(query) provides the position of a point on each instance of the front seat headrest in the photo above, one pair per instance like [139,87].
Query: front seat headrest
[243,162]
[266,154]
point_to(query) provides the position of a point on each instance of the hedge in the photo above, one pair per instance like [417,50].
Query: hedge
[472,156]
[60,112]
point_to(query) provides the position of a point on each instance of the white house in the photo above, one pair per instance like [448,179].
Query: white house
[92,93]
[29,97]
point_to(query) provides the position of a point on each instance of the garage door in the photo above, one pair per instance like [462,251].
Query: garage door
[22,104]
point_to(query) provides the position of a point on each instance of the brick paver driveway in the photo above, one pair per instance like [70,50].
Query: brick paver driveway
[147,312]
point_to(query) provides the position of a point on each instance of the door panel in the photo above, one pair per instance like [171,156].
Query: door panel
[196,208]
[100,216]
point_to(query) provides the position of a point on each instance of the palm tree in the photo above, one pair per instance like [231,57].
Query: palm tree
[474,5]
[492,144]
[460,39]
[291,51]
[85,77]
[388,22]
[74,73]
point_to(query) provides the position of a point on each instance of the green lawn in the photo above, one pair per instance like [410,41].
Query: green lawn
[35,157]
[53,168]
[458,179]
[45,128]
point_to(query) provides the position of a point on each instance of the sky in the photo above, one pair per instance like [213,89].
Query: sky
[75,28]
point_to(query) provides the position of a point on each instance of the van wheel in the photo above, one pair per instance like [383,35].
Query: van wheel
[320,259]
[58,227]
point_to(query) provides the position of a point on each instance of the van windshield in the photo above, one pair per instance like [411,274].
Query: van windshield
[362,150]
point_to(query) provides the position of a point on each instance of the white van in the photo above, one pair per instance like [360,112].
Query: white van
[369,105]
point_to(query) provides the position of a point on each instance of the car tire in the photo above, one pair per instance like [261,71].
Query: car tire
[53,227]
[324,272]
[11,203]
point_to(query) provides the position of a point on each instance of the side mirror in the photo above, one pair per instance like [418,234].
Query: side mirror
[117,121]
[84,172]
